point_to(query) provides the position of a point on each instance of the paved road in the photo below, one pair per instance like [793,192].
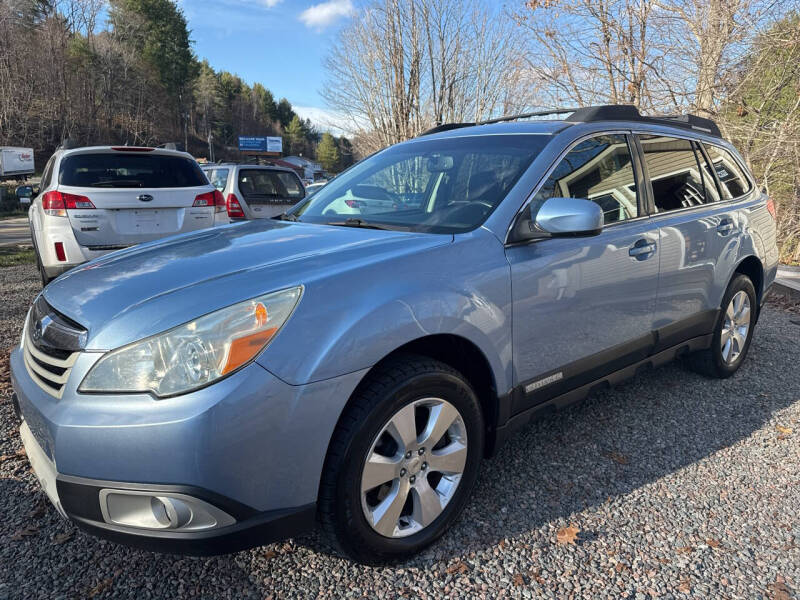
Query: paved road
[14,231]
[789,279]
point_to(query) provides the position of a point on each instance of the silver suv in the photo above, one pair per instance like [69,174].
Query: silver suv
[255,191]
[226,388]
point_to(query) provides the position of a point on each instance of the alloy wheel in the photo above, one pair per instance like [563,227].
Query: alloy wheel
[735,327]
[413,467]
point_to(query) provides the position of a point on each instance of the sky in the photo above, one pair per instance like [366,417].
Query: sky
[279,43]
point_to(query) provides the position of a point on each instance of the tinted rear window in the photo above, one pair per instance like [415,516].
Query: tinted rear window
[267,184]
[122,170]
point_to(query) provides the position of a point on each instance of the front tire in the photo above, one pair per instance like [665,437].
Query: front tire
[733,332]
[403,460]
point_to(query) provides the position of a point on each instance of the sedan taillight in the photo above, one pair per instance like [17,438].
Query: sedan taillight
[219,202]
[206,199]
[56,204]
[771,208]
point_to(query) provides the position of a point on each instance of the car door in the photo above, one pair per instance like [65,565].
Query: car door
[583,307]
[696,231]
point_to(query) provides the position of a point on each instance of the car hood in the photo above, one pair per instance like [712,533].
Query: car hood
[147,289]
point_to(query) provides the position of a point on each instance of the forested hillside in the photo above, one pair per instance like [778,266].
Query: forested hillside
[123,72]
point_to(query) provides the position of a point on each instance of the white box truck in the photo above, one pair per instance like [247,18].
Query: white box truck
[15,163]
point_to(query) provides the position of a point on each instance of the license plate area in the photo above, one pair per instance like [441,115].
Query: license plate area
[147,221]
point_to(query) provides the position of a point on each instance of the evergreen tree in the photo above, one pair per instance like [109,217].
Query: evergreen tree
[328,153]
[285,113]
[295,135]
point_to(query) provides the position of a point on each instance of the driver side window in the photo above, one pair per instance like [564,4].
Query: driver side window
[599,169]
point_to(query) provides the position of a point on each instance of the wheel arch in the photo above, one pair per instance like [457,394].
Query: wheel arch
[752,267]
[461,354]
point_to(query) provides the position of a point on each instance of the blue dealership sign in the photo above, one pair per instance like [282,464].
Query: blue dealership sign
[261,144]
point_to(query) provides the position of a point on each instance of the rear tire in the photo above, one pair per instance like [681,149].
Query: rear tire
[732,333]
[422,495]
[40,267]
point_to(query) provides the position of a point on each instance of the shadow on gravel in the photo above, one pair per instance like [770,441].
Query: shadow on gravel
[591,453]
[621,439]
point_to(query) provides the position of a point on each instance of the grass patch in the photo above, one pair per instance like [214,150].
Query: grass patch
[12,256]
[14,214]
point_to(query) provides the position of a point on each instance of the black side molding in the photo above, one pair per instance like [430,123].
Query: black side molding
[504,432]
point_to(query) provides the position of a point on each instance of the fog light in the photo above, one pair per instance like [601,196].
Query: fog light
[153,510]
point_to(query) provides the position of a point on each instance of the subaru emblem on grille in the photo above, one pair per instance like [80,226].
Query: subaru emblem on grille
[40,327]
[145,198]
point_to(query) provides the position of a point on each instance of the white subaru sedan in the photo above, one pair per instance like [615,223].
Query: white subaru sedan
[98,199]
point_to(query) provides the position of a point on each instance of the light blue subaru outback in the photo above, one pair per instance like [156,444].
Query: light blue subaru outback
[350,363]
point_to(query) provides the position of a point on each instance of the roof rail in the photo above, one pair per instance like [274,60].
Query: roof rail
[445,127]
[628,112]
[538,113]
[604,112]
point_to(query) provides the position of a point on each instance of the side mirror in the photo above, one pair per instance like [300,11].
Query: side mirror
[25,191]
[559,217]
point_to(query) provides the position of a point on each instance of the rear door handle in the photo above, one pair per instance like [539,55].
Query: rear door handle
[725,227]
[642,249]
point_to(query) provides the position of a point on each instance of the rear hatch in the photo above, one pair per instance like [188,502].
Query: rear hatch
[269,192]
[136,196]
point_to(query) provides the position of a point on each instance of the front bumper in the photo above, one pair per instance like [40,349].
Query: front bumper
[250,445]
[80,500]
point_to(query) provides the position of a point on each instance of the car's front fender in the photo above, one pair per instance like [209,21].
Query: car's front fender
[352,320]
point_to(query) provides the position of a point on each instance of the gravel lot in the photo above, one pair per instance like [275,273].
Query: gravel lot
[679,487]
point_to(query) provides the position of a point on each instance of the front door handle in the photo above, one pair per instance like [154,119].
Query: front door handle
[642,249]
[725,227]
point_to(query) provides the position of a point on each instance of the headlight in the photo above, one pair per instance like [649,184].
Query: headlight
[193,355]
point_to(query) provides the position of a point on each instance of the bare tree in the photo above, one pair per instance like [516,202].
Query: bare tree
[405,65]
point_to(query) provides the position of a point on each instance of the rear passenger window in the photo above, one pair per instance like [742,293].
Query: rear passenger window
[600,170]
[733,180]
[673,166]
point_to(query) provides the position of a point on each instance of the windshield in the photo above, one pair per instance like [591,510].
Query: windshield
[123,170]
[431,185]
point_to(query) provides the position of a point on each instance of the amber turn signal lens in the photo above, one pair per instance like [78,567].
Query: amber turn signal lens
[245,348]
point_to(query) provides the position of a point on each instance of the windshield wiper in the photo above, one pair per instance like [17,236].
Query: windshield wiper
[353,222]
[286,217]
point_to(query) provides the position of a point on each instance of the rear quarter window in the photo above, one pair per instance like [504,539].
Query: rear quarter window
[120,170]
[731,176]
[218,178]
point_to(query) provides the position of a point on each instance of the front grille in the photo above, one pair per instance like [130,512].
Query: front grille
[51,345]
[48,371]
